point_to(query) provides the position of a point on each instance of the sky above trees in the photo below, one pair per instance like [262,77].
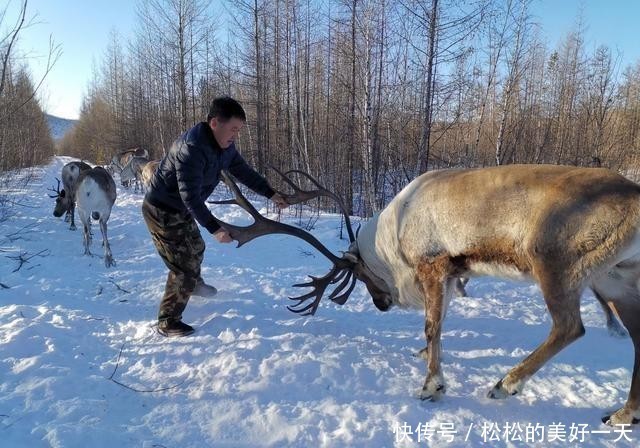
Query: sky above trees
[84,32]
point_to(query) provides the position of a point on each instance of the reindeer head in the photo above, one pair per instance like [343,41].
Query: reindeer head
[62,200]
[346,270]
[377,287]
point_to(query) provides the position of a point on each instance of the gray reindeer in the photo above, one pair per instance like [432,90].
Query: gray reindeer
[132,172]
[65,198]
[95,196]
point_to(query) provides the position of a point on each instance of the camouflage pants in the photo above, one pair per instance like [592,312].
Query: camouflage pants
[181,247]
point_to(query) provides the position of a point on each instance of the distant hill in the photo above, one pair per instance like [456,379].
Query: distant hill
[59,126]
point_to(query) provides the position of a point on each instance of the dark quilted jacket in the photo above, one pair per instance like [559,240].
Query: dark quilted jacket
[190,171]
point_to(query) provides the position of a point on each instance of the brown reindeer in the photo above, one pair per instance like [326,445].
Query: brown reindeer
[148,170]
[120,160]
[566,228]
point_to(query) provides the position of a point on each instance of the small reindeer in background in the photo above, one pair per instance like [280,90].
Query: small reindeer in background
[119,161]
[65,198]
[147,173]
[132,172]
[95,196]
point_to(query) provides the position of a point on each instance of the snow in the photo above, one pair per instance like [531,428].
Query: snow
[81,364]
[59,126]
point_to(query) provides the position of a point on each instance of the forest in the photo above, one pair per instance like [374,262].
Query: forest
[363,94]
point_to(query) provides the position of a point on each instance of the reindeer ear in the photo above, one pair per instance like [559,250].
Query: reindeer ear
[352,257]
[353,253]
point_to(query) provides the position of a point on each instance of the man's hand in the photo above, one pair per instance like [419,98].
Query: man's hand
[279,201]
[222,236]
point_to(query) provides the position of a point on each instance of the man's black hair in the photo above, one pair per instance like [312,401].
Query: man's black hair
[224,108]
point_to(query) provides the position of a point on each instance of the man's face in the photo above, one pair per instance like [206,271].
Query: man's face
[226,132]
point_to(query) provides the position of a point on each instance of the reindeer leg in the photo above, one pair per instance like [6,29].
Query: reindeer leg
[72,213]
[86,231]
[450,290]
[437,288]
[564,308]
[614,327]
[629,310]
[618,290]
[108,257]
[87,238]
[460,286]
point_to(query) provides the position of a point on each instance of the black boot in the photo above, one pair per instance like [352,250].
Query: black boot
[172,328]
[204,290]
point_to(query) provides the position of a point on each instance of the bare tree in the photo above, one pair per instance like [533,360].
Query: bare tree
[601,94]
[21,146]
[366,94]
[513,74]
[179,28]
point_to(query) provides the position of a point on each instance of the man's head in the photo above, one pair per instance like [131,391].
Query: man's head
[226,117]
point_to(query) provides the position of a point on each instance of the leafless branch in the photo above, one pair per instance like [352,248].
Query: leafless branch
[55,51]
[14,35]
[161,389]
[24,257]
[18,234]
[119,287]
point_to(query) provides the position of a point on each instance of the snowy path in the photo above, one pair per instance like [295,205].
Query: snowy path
[255,374]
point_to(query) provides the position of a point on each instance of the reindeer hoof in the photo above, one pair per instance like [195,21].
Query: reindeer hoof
[435,395]
[72,227]
[422,353]
[433,389]
[108,262]
[620,417]
[500,391]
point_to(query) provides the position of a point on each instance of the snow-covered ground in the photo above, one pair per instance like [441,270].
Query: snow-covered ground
[81,365]
[59,126]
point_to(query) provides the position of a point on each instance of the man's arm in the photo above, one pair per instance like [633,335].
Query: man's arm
[189,163]
[249,177]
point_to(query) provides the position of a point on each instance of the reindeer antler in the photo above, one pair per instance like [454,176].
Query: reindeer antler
[320,284]
[56,191]
[342,270]
[301,195]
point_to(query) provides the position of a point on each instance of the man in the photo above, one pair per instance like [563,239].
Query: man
[175,201]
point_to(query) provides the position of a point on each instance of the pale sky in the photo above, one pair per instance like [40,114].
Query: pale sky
[82,28]
[613,23]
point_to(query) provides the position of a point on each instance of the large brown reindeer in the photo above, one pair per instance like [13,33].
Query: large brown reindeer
[566,228]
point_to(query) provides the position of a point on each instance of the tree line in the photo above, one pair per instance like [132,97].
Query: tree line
[25,139]
[365,94]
